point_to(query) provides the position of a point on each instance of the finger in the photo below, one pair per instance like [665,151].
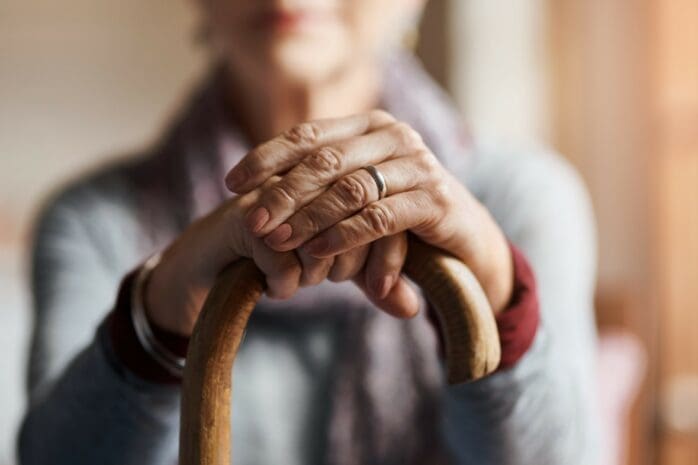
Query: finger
[314,270]
[249,200]
[401,302]
[348,264]
[413,209]
[384,264]
[282,270]
[347,196]
[316,172]
[284,151]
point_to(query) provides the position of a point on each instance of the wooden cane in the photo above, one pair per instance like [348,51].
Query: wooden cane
[466,322]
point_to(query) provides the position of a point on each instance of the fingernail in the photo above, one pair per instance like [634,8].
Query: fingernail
[278,236]
[257,219]
[235,179]
[384,286]
[317,246]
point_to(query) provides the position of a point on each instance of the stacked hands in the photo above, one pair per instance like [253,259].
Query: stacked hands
[307,211]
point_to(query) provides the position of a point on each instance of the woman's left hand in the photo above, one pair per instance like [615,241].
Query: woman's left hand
[326,203]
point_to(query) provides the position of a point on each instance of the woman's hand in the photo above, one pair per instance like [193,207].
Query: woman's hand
[180,283]
[326,203]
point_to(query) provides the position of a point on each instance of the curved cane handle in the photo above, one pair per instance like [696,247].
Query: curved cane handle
[467,326]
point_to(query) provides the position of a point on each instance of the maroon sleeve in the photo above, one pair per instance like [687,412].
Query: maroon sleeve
[518,322]
[517,325]
[127,347]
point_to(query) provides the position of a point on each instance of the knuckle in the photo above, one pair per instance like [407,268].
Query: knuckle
[303,134]
[426,160]
[352,191]
[440,194]
[326,159]
[282,192]
[445,194]
[407,136]
[379,218]
[309,221]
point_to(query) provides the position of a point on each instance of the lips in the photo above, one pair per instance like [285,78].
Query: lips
[278,20]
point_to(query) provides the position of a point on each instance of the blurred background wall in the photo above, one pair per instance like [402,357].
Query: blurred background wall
[611,84]
[80,81]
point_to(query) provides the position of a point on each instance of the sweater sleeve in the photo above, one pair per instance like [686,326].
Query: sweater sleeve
[517,324]
[83,407]
[541,410]
[127,347]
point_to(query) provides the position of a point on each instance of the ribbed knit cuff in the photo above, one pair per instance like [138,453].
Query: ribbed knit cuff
[125,342]
[518,322]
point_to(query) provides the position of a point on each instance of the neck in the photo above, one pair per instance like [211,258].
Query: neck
[265,108]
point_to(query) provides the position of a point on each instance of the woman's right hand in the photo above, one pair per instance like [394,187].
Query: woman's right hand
[179,284]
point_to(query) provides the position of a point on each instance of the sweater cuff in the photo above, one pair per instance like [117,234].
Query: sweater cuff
[518,322]
[128,348]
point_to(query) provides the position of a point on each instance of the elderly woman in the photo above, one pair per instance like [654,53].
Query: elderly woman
[314,147]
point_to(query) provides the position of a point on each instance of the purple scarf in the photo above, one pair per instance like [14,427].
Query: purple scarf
[385,400]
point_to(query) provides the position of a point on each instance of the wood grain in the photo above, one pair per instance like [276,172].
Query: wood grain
[467,325]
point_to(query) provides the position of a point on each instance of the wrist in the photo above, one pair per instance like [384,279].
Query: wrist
[179,284]
[144,330]
[477,240]
[165,299]
[496,272]
[127,346]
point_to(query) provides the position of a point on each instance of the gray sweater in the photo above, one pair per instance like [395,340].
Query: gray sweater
[85,408]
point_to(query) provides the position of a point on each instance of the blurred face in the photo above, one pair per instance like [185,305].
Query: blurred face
[304,41]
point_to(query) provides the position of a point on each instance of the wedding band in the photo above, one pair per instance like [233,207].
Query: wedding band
[379,179]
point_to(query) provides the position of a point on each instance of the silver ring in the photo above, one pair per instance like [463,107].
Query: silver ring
[379,179]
